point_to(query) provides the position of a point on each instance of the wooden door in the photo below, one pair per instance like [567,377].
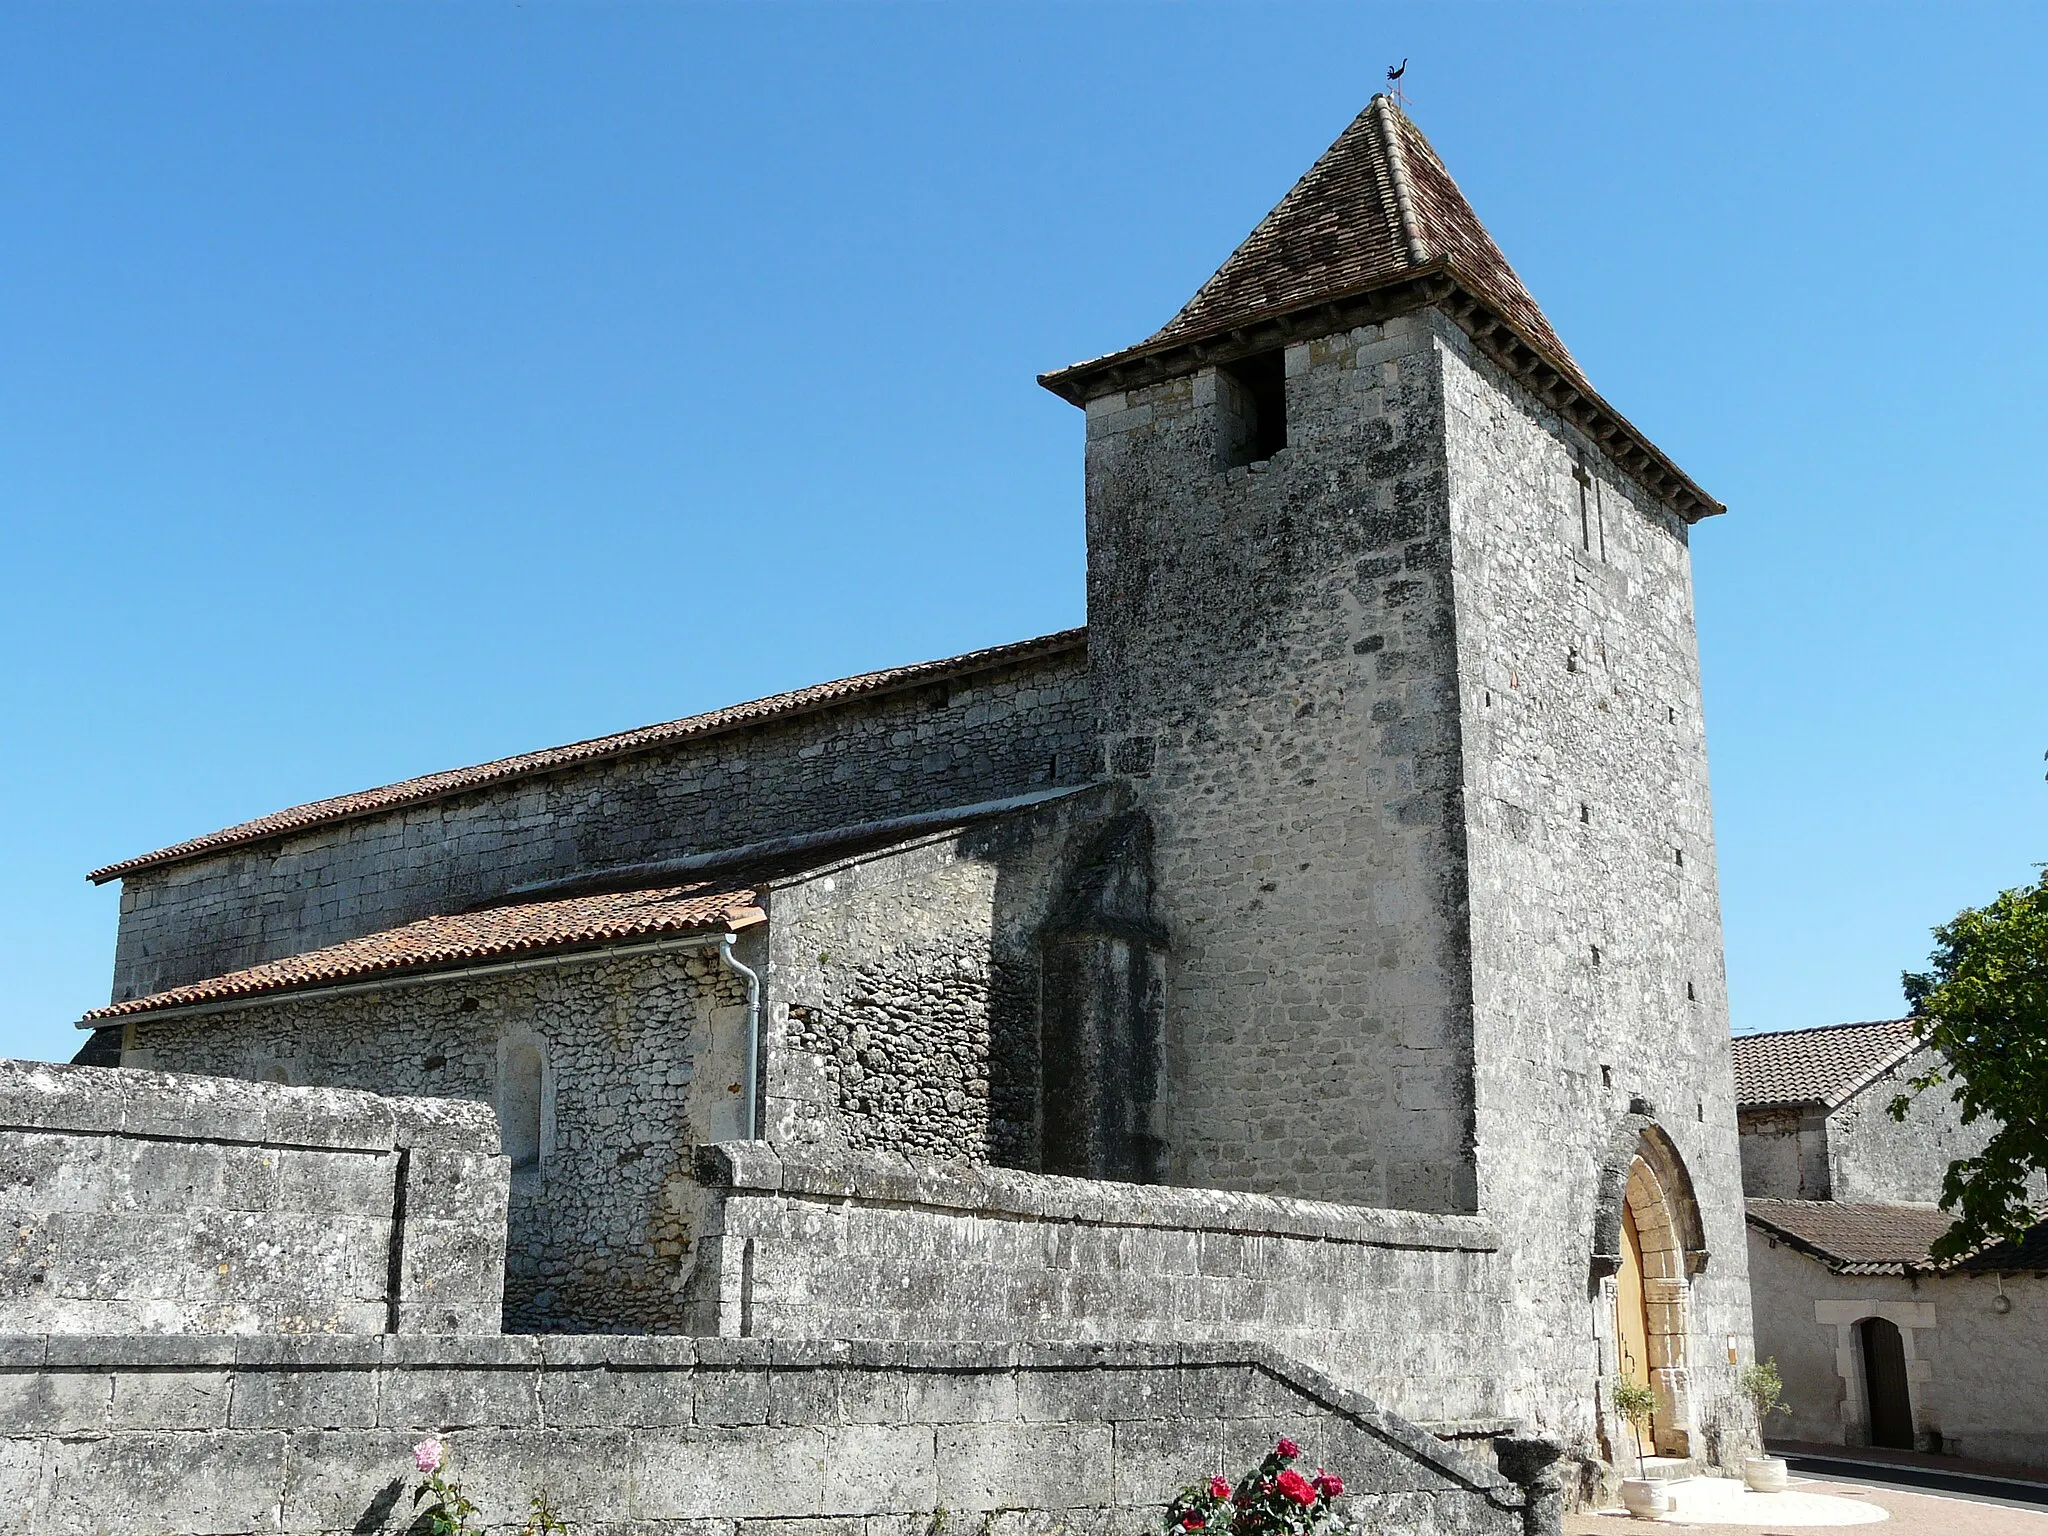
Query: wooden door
[1884,1381]
[1632,1317]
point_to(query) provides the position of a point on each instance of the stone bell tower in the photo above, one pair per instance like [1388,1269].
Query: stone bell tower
[1390,624]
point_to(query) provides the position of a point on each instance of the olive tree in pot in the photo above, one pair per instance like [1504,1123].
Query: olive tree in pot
[1645,1498]
[1762,1385]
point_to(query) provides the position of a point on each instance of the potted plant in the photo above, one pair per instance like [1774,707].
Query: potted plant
[1645,1498]
[1762,1385]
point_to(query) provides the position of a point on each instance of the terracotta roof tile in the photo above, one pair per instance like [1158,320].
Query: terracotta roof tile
[1377,213]
[492,933]
[2030,1253]
[1853,1239]
[1343,229]
[435,786]
[1818,1066]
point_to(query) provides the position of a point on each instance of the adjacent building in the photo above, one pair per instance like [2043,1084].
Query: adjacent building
[1879,1345]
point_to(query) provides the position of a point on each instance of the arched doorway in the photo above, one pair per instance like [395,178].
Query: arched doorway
[1886,1394]
[1632,1316]
[1648,1244]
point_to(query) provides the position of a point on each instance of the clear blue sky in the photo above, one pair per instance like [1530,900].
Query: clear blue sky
[385,388]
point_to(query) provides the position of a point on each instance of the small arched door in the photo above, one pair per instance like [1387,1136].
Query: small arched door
[1632,1318]
[1884,1384]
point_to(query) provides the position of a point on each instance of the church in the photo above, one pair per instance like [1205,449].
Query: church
[1321,948]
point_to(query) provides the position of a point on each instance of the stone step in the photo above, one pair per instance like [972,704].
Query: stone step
[1661,1468]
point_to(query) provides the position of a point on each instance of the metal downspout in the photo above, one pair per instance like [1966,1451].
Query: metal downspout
[753,980]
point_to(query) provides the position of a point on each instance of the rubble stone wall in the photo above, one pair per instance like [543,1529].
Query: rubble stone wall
[634,1437]
[1013,729]
[641,1057]
[903,991]
[148,1203]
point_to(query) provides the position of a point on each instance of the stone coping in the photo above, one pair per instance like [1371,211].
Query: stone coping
[540,1354]
[178,1106]
[1011,1193]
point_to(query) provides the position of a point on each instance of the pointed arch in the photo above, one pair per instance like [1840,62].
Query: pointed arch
[1639,1151]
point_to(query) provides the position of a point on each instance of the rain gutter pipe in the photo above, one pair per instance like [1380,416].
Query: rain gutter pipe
[753,980]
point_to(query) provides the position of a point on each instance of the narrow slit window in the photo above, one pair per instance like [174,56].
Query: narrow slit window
[1252,397]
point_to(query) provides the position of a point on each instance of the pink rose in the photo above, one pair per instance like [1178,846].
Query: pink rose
[1328,1484]
[1287,1448]
[1218,1488]
[1291,1484]
[427,1455]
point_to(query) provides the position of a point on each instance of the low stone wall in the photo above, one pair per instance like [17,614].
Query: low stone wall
[630,1437]
[1406,1306]
[157,1203]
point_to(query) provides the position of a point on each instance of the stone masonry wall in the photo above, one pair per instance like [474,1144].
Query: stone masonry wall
[1407,1307]
[150,1203]
[1275,676]
[1873,1157]
[1784,1152]
[1976,1376]
[603,1223]
[903,990]
[987,736]
[1596,955]
[681,1437]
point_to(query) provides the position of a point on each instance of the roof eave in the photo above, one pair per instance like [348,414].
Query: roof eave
[988,660]
[1552,380]
[512,957]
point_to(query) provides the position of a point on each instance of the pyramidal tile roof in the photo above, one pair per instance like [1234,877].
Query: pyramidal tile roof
[1377,206]
[1825,1066]
[1379,227]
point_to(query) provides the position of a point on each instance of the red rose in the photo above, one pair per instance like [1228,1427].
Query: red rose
[1287,1448]
[1218,1488]
[1192,1521]
[1329,1484]
[1293,1485]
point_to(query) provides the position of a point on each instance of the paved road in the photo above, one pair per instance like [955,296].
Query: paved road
[1918,1478]
[1913,1513]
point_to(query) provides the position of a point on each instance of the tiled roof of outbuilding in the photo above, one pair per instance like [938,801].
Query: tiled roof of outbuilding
[492,933]
[1855,1239]
[2030,1253]
[435,786]
[1859,1239]
[1818,1066]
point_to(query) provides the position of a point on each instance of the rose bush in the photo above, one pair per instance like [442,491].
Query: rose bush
[1272,1499]
[451,1512]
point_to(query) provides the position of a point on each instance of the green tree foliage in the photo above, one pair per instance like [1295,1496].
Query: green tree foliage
[1984,1004]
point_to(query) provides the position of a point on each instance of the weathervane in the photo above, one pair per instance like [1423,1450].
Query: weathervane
[1394,84]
